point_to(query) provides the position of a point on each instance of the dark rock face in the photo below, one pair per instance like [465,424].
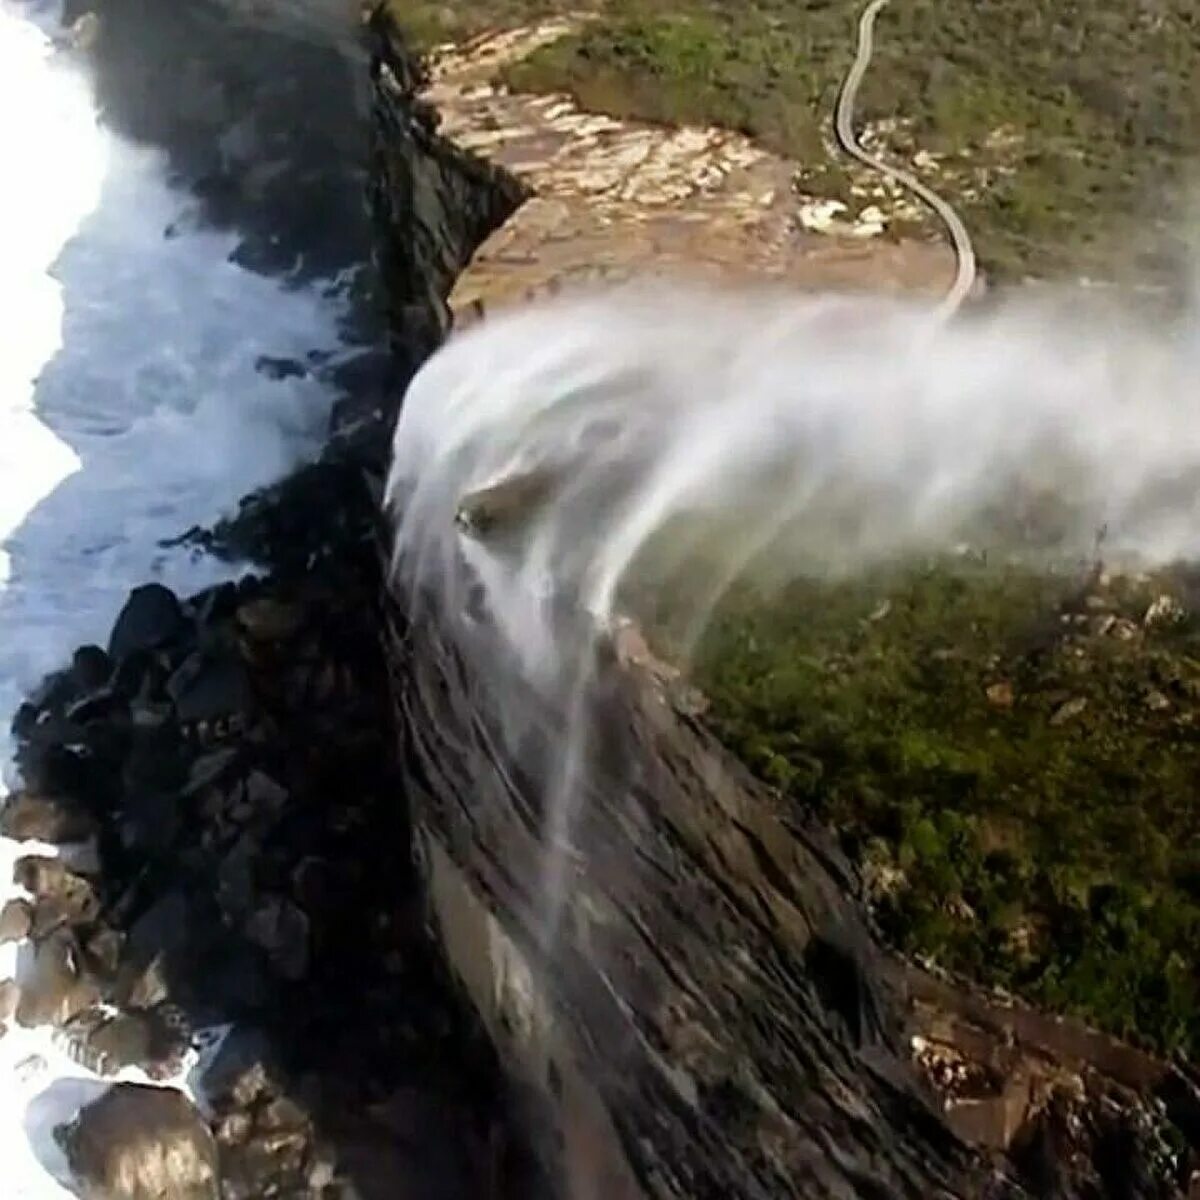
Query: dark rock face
[142,1143]
[433,202]
[150,620]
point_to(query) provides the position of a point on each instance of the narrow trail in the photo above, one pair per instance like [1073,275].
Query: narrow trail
[960,237]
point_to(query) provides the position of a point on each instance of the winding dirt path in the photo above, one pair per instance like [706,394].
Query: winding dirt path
[960,237]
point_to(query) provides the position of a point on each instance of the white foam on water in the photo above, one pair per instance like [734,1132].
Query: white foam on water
[825,433]
[130,410]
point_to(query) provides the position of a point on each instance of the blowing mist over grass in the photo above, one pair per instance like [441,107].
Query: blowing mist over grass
[875,539]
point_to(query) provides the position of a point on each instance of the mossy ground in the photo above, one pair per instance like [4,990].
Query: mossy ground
[1013,757]
[1066,128]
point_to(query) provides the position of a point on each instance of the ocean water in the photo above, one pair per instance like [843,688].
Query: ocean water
[130,410]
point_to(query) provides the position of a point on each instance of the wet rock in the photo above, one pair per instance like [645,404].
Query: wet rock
[16,920]
[211,770]
[206,689]
[57,988]
[60,896]
[263,794]
[1164,611]
[143,987]
[280,368]
[91,668]
[242,1075]
[103,948]
[106,1043]
[142,1143]
[282,930]
[1069,711]
[28,816]
[151,619]
[10,996]
[269,620]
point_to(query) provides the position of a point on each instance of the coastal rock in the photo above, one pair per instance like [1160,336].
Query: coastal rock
[28,816]
[60,896]
[57,988]
[209,688]
[142,1143]
[16,920]
[151,619]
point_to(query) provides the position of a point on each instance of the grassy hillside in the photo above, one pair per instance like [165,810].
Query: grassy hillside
[1067,127]
[1014,760]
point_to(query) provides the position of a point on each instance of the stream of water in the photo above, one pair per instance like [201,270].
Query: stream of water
[131,409]
[572,450]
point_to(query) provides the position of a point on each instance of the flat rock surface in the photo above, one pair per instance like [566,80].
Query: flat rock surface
[613,198]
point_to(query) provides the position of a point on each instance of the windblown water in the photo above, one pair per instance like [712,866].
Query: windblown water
[130,410]
[566,456]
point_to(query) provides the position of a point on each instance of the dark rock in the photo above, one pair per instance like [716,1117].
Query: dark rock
[25,721]
[103,949]
[151,619]
[215,605]
[267,619]
[282,930]
[91,668]
[16,920]
[145,986]
[211,770]
[280,368]
[57,988]
[244,1071]
[264,794]
[142,1143]
[28,816]
[163,929]
[99,706]
[205,688]
[235,877]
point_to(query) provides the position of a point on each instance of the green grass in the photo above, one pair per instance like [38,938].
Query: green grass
[1044,837]
[1094,103]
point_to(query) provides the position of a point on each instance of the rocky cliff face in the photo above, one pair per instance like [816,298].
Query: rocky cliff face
[434,202]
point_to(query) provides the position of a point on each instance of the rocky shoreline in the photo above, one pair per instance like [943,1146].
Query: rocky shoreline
[231,758]
[217,828]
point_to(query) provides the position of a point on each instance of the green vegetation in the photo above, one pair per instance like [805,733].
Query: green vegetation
[1014,760]
[1065,126]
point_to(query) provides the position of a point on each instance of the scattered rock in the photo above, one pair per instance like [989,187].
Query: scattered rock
[142,1143]
[1165,610]
[207,689]
[280,368]
[152,618]
[16,920]
[1069,711]
[57,988]
[282,930]
[60,896]
[105,1043]
[1156,701]
[10,996]
[1000,695]
[91,668]
[270,620]
[28,816]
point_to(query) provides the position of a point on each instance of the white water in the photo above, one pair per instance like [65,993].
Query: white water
[819,434]
[130,410]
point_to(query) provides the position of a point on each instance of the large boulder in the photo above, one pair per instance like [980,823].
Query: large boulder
[141,1143]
